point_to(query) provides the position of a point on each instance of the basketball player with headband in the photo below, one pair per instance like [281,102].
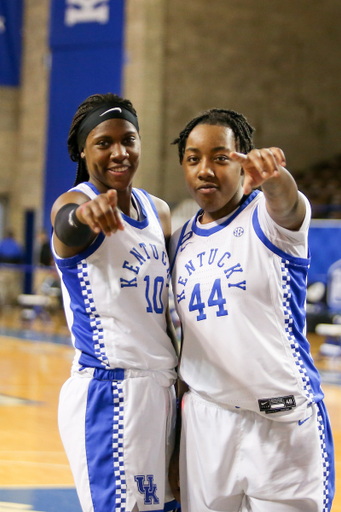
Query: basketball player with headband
[117,410]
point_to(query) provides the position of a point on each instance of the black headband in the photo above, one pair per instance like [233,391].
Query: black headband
[101,113]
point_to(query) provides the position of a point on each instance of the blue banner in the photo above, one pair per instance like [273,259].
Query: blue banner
[86,41]
[85,22]
[10,41]
[325,245]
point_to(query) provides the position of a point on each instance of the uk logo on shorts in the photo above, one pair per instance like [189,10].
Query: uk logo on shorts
[146,486]
[238,232]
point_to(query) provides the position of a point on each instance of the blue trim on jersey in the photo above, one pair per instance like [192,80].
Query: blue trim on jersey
[113,374]
[139,224]
[178,246]
[92,186]
[295,318]
[104,445]
[85,327]
[74,260]
[76,188]
[152,204]
[328,464]
[208,232]
[272,247]
[294,279]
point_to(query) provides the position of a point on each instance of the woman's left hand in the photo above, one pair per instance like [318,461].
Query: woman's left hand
[259,165]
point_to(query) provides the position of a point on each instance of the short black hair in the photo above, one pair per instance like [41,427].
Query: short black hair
[92,101]
[218,116]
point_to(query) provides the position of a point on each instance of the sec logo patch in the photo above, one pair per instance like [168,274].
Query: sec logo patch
[238,232]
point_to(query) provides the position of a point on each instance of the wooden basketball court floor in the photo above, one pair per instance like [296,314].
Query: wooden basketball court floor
[34,363]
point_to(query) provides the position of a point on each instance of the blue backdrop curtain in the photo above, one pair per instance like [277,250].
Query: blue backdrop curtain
[10,41]
[86,42]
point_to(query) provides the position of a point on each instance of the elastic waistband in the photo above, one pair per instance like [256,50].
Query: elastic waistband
[165,378]
[115,374]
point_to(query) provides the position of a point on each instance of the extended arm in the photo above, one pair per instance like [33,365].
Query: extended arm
[77,220]
[265,168]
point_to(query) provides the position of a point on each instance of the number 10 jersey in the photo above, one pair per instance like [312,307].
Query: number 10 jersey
[115,294]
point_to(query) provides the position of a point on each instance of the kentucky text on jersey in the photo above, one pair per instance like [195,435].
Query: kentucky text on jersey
[153,252]
[215,257]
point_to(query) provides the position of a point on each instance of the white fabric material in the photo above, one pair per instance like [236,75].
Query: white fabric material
[232,294]
[291,242]
[115,294]
[227,454]
[148,438]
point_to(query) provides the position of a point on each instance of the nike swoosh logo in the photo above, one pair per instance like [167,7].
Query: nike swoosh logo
[300,422]
[110,110]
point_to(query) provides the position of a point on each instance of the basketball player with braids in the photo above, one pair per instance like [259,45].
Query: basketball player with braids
[117,410]
[255,432]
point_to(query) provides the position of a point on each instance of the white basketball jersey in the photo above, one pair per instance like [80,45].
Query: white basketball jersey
[115,294]
[241,302]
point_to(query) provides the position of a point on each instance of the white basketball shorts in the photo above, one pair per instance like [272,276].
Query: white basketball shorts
[117,432]
[235,460]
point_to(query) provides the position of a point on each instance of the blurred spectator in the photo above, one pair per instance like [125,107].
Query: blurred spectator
[45,253]
[10,250]
[322,185]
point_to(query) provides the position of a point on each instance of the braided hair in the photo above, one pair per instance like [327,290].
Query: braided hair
[218,116]
[74,151]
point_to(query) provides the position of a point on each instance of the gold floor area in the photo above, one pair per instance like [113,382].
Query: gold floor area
[32,371]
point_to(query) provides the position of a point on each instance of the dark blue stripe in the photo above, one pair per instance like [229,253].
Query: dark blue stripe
[81,327]
[179,243]
[208,232]
[74,260]
[330,452]
[298,270]
[114,374]
[99,444]
[90,185]
[152,205]
[298,279]
[172,505]
[139,224]
[293,259]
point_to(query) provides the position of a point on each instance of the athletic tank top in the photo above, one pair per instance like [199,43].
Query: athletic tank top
[115,293]
[241,302]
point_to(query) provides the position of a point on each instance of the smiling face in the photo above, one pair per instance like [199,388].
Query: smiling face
[213,179]
[112,152]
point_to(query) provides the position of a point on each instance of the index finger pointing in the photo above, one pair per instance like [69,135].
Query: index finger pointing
[238,157]
[112,197]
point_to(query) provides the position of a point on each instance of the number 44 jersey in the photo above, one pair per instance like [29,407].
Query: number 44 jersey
[239,288]
[115,294]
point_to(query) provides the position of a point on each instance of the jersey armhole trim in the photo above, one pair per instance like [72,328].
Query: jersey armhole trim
[74,260]
[289,257]
[207,232]
[152,204]
[178,245]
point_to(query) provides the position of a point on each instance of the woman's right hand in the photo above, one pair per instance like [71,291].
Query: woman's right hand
[101,213]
